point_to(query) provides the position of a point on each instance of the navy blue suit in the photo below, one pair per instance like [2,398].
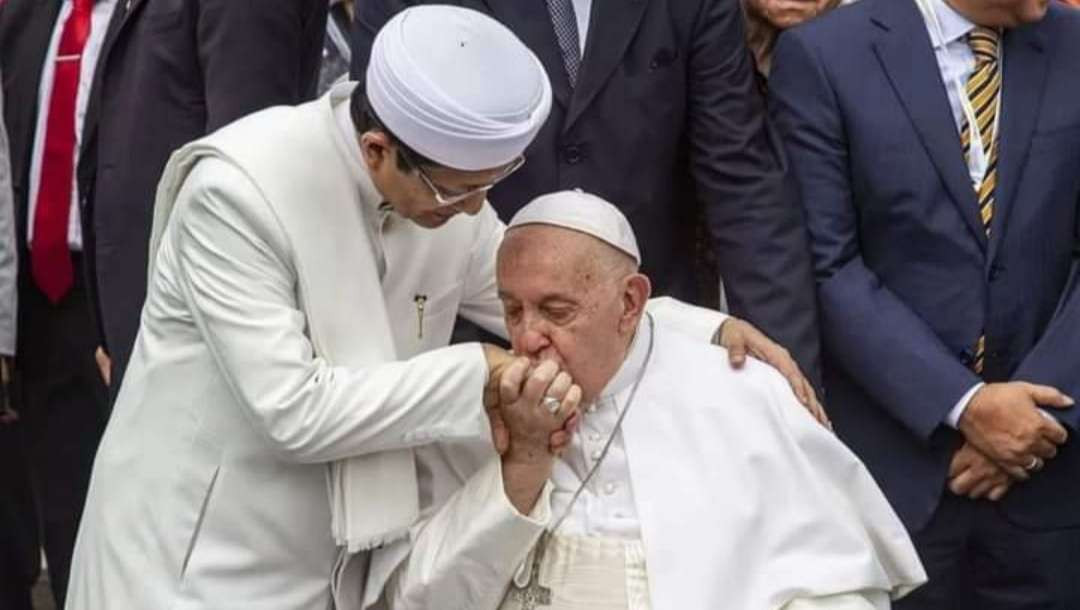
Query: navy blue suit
[907,278]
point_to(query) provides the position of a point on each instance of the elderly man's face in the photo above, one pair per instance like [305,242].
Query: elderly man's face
[566,302]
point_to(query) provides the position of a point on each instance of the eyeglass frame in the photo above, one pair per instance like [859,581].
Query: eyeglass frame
[443,200]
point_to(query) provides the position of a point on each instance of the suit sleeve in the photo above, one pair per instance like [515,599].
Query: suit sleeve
[753,218]
[227,263]
[257,54]
[1053,360]
[871,334]
[468,550]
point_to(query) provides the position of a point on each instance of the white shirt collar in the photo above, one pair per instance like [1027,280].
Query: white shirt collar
[953,25]
[631,366]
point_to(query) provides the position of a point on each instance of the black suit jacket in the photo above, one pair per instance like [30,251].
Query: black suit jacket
[170,72]
[665,122]
[25,29]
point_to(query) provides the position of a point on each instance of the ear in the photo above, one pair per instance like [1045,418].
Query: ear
[376,148]
[636,292]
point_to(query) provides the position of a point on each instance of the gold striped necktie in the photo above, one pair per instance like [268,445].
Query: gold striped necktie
[984,90]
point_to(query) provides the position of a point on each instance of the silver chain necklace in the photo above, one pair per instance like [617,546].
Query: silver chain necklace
[532,593]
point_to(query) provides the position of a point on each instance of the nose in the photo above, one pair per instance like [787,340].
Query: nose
[532,338]
[472,204]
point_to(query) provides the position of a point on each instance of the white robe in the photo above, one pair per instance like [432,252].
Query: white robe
[744,503]
[268,348]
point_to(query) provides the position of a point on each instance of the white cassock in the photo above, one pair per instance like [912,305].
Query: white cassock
[720,492]
[281,333]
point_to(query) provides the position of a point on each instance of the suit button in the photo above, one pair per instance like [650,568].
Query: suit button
[967,357]
[996,271]
[573,154]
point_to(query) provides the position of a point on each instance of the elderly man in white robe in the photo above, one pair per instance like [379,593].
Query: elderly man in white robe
[307,265]
[689,486]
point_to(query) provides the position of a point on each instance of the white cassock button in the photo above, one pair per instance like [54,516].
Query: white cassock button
[619,514]
[596,455]
[594,437]
[609,488]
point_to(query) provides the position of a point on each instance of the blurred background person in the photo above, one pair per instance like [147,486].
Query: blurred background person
[19,553]
[48,51]
[765,19]
[172,71]
[336,54]
[656,108]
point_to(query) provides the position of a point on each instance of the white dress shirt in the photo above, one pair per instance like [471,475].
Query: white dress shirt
[606,507]
[956,63]
[99,23]
[582,11]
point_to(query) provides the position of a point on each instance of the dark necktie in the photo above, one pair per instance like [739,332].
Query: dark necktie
[50,259]
[564,21]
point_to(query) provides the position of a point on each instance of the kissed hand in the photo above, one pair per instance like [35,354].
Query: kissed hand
[536,431]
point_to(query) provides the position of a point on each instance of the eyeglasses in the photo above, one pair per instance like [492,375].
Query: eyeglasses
[444,199]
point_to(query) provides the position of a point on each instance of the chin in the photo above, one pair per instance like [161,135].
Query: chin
[431,220]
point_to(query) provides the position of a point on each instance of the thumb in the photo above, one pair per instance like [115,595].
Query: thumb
[1047,396]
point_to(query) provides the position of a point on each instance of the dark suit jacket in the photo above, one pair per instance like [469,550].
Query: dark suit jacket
[907,279]
[25,29]
[665,122]
[170,72]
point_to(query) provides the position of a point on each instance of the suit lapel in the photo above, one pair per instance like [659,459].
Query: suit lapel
[904,50]
[529,19]
[612,26]
[121,17]
[1024,80]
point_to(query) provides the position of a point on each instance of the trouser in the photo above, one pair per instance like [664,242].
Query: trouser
[63,402]
[20,561]
[978,560]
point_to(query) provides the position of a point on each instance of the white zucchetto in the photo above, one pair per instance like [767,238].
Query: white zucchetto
[457,87]
[582,212]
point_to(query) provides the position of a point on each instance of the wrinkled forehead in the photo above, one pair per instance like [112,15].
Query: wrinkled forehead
[548,258]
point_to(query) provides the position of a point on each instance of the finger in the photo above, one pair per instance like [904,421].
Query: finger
[559,386]
[959,464]
[538,381]
[1044,449]
[1054,431]
[980,489]
[571,425]
[998,492]
[559,441]
[1048,396]
[511,380]
[1018,473]
[963,483]
[500,434]
[737,353]
[570,403]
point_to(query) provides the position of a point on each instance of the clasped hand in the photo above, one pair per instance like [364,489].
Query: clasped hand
[523,427]
[1008,438]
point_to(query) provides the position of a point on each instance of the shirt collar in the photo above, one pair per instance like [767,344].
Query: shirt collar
[953,25]
[631,366]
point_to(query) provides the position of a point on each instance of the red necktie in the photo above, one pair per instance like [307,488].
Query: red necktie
[50,259]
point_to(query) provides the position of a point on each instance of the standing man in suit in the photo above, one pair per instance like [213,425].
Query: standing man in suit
[656,108]
[18,538]
[172,71]
[937,144]
[49,50]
